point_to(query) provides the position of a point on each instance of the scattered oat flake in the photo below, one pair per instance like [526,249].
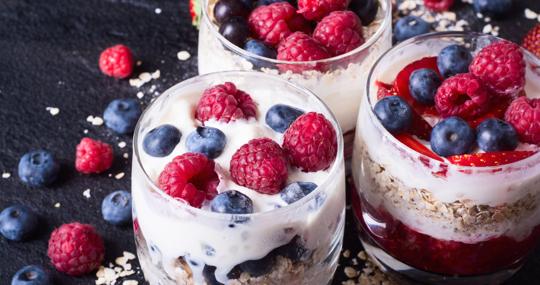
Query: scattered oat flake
[350,272]
[530,14]
[96,121]
[120,175]
[347,253]
[487,29]
[140,95]
[6,175]
[156,74]
[122,144]
[53,110]
[126,155]
[183,55]
[86,193]
[57,205]
[158,11]
[85,131]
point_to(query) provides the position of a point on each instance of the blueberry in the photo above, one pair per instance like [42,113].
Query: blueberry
[38,168]
[493,8]
[365,9]
[255,268]
[394,113]
[279,117]
[410,26]
[116,208]
[235,30]
[452,136]
[453,59]
[294,250]
[121,115]
[206,140]
[228,9]
[496,135]
[296,191]
[18,222]
[423,84]
[232,202]
[259,48]
[31,275]
[161,141]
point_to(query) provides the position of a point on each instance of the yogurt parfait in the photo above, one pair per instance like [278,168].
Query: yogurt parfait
[446,159]
[238,178]
[326,46]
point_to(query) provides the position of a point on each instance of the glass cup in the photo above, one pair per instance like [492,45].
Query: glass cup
[297,243]
[430,221]
[338,81]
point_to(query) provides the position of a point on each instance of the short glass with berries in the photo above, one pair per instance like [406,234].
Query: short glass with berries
[326,46]
[446,163]
[238,178]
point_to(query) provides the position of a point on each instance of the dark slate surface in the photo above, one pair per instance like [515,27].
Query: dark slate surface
[48,57]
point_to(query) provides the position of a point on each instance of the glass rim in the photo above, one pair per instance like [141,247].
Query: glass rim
[245,54]
[453,34]
[332,171]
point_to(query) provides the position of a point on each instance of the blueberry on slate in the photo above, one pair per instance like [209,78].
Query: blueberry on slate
[453,59]
[279,117]
[235,30]
[116,208]
[161,141]
[31,275]
[296,191]
[210,276]
[231,202]
[410,26]
[121,115]
[452,136]
[394,113]
[228,9]
[38,168]
[493,8]
[423,85]
[18,222]
[496,135]
[206,140]
[365,9]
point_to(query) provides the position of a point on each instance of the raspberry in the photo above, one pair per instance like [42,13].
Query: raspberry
[462,95]
[532,40]
[93,156]
[301,47]
[76,249]
[340,32]
[524,114]
[318,9]
[225,103]
[274,22]
[310,142]
[438,5]
[260,165]
[501,67]
[116,61]
[190,177]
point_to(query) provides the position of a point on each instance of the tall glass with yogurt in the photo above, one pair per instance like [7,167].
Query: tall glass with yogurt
[339,81]
[279,243]
[430,220]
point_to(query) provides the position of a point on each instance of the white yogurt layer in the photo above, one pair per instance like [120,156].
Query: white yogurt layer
[479,186]
[341,88]
[214,239]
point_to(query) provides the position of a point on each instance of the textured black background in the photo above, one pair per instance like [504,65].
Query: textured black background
[48,57]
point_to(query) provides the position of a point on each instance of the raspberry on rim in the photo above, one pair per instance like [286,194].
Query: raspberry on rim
[301,47]
[340,32]
[524,115]
[462,95]
[318,9]
[225,103]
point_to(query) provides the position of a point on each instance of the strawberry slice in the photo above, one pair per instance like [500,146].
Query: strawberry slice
[417,146]
[496,110]
[384,90]
[489,158]
[401,84]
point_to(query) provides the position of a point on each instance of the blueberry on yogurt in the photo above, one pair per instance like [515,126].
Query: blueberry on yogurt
[161,141]
[453,59]
[232,202]
[296,191]
[279,117]
[206,140]
[452,136]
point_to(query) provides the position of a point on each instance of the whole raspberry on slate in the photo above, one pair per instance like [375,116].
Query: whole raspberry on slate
[531,41]
[274,22]
[76,249]
[301,47]
[438,5]
[93,156]
[462,95]
[190,177]
[116,61]
[260,165]
[318,9]
[225,103]
[310,142]
[524,115]
[501,67]
[340,32]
